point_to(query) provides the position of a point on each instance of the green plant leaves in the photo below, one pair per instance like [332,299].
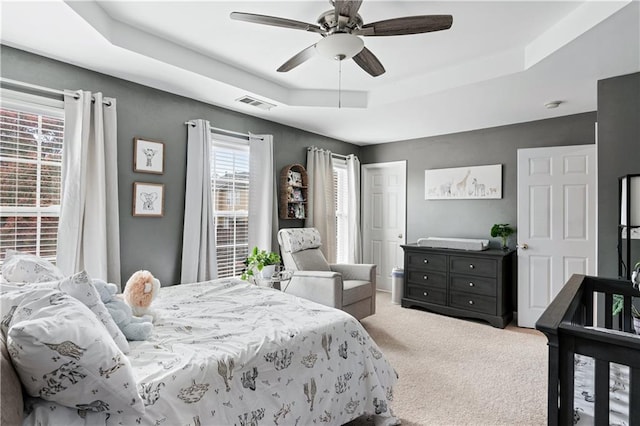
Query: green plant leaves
[257,260]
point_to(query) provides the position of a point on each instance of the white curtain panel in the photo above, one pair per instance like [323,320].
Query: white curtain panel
[262,205]
[354,255]
[321,203]
[89,226]
[199,260]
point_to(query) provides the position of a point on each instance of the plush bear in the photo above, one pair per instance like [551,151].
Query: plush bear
[140,291]
[133,328]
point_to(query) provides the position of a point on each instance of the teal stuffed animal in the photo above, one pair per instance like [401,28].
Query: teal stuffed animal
[133,328]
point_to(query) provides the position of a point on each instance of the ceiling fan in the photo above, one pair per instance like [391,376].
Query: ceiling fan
[340,29]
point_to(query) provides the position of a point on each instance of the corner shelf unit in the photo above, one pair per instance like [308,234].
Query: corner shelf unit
[293,192]
[628,188]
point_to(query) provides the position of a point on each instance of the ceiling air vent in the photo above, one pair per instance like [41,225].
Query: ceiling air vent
[255,102]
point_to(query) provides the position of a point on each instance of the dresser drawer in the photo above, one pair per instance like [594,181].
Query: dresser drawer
[475,285]
[474,266]
[434,262]
[473,302]
[426,294]
[432,279]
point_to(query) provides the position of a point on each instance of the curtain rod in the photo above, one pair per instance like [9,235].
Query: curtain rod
[43,89]
[332,154]
[229,132]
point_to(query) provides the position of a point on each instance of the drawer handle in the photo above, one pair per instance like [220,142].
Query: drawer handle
[426,293]
[425,277]
[471,266]
[471,284]
[471,302]
[426,260]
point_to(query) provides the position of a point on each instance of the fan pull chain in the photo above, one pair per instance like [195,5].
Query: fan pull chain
[339,83]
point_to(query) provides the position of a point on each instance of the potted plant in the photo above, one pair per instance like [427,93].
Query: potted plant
[618,304]
[260,261]
[502,230]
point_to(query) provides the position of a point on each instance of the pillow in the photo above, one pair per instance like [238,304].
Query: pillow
[10,389]
[28,268]
[298,239]
[310,260]
[10,296]
[63,354]
[79,286]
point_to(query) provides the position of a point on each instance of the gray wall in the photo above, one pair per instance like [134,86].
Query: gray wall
[156,243]
[498,145]
[618,155]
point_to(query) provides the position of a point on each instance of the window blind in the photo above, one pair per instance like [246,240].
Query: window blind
[341,199]
[31,142]
[230,187]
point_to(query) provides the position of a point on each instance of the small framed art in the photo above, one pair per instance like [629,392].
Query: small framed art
[148,156]
[148,199]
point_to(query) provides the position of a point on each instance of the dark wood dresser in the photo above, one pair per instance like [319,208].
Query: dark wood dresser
[470,284]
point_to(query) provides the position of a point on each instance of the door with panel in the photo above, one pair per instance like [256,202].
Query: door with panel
[556,223]
[384,217]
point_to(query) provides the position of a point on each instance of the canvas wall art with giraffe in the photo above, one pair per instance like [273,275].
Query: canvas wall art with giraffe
[473,182]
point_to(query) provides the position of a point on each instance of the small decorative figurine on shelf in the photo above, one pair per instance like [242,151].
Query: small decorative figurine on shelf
[635,276]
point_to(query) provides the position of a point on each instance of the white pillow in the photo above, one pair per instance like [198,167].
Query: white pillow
[63,354]
[79,286]
[28,268]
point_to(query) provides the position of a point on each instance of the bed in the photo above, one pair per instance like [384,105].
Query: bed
[225,352]
[594,371]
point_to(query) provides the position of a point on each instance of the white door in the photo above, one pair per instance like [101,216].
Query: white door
[556,223]
[384,195]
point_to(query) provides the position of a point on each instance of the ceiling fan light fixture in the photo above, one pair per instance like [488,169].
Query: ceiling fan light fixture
[339,46]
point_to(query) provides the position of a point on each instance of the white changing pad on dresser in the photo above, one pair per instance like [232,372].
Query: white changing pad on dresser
[454,243]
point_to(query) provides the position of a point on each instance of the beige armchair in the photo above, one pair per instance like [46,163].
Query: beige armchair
[351,288]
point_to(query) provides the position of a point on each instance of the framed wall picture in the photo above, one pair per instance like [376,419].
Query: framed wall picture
[148,156]
[473,182]
[148,199]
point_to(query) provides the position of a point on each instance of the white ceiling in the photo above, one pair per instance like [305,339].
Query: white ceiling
[499,63]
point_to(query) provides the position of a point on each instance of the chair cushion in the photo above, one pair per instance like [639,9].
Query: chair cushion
[310,260]
[355,290]
[298,239]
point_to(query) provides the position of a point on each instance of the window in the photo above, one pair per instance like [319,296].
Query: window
[342,199]
[31,139]
[230,197]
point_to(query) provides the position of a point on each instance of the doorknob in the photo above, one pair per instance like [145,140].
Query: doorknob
[522,246]
[399,235]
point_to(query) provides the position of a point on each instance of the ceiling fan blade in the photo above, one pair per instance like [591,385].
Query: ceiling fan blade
[346,12]
[368,62]
[407,25]
[347,7]
[275,21]
[302,56]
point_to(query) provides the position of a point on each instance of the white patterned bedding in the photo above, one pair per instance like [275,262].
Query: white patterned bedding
[584,390]
[228,353]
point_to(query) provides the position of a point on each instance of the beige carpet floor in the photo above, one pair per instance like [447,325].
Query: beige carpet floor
[460,372]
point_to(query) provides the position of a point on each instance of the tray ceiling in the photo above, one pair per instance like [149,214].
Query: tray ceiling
[499,63]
